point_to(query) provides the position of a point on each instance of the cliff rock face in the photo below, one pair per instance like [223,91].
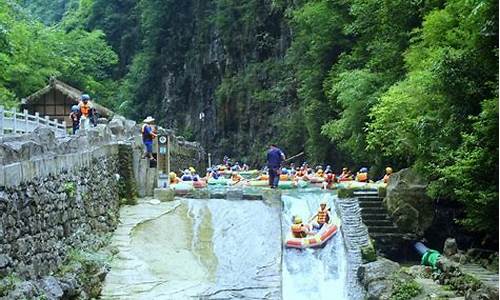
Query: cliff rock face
[204,71]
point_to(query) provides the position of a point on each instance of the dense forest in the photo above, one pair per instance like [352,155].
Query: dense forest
[406,83]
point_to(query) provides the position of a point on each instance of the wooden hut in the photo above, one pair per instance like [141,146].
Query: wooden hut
[56,99]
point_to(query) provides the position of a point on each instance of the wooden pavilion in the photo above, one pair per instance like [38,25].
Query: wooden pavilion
[56,99]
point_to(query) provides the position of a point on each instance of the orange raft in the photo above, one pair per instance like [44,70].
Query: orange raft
[316,240]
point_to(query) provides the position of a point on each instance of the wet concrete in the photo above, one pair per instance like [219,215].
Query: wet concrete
[197,248]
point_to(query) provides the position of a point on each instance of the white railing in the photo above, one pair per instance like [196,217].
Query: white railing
[12,122]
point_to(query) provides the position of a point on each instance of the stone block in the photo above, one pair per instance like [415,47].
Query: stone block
[13,174]
[164,194]
[29,170]
[2,176]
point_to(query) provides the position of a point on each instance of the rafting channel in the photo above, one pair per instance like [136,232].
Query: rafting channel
[225,246]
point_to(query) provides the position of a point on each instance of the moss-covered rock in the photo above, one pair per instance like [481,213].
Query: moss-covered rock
[368,252]
[345,193]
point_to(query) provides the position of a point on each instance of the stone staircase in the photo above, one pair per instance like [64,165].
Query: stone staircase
[380,226]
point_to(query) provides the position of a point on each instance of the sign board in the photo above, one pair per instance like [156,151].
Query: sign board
[163,160]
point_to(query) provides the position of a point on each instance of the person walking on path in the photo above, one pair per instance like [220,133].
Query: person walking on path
[147,137]
[275,158]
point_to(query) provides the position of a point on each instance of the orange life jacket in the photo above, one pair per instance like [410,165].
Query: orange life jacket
[362,177]
[85,109]
[330,178]
[386,178]
[322,216]
[298,231]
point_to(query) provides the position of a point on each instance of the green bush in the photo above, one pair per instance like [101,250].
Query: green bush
[405,290]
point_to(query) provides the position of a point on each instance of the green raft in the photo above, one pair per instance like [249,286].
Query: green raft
[286,185]
[249,173]
[220,181]
[302,184]
[182,187]
[258,183]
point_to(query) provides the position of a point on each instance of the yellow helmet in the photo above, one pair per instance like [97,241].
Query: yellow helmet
[192,170]
[172,175]
[388,170]
[297,220]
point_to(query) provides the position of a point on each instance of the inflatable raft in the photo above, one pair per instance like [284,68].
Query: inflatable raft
[317,240]
[286,185]
[182,187]
[220,181]
[200,184]
[258,183]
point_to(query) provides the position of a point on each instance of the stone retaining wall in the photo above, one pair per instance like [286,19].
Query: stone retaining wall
[62,194]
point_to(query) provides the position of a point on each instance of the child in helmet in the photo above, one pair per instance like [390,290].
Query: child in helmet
[299,229]
[362,175]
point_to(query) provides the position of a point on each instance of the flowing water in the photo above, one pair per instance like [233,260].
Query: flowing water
[312,273]
[224,249]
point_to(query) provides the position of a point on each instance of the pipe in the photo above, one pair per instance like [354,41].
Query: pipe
[421,248]
[429,257]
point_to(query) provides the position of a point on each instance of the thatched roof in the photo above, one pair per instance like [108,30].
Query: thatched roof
[67,90]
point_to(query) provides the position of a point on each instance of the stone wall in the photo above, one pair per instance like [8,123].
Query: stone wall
[58,195]
[55,195]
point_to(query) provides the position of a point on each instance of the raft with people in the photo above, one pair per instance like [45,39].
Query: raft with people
[316,240]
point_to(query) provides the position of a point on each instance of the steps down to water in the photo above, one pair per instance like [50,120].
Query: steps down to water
[380,225]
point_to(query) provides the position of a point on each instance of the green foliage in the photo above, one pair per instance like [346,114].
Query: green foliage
[70,189]
[368,252]
[432,118]
[8,284]
[405,290]
[32,52]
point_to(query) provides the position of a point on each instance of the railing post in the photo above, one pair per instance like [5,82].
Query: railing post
[1,119]
[14,120]
[37,120]
[26,124]
[47,121]
[64,128]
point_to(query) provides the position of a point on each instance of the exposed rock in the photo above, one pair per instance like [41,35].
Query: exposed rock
[51,287]
[450,247]
[376,278]
[117,125]
[408,203]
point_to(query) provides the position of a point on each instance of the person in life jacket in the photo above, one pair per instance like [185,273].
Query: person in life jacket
[75,118]
[148,135]
[388,173]
[194,175]
[186,176]
[329,179]
[299,229]
[235,177]
[173,179]
[362,175]
[322,216]
[346,175]
[85,108]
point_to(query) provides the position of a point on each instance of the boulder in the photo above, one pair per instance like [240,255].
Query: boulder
[376,278]
[117,125]
[51,287]
[380,269]
[450,247]
[407,202]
